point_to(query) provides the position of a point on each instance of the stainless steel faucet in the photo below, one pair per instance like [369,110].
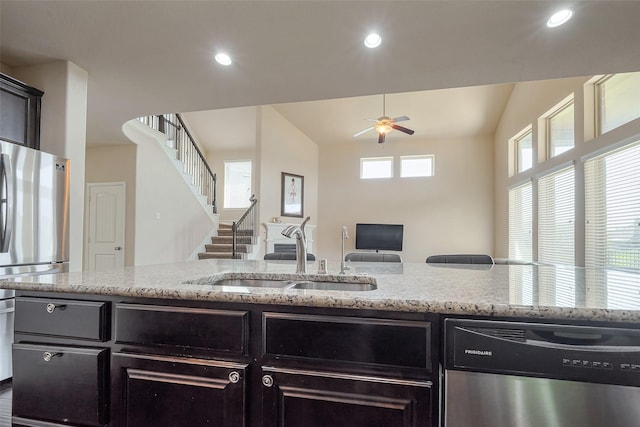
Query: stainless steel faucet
[301,244]
[345,235]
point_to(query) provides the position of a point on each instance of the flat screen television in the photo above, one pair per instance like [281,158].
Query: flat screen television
[380,237]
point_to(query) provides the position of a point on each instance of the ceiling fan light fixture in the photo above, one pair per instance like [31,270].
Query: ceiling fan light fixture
[373,40]
[383,128]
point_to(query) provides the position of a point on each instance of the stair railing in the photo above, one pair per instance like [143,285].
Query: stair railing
[247,221]
[179,138]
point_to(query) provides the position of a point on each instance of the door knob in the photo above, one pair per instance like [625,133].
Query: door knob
[118,248]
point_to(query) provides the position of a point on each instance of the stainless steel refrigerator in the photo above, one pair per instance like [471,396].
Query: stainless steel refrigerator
[34,226]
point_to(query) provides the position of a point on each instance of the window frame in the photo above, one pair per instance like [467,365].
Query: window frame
[226,180]
[549,116]
[429,157]
[515,143]
[598,102]
[382,159]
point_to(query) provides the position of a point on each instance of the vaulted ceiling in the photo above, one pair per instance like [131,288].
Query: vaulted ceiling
[149,57]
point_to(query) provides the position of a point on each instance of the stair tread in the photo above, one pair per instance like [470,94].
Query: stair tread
[229,232]
[217,255]
[226,248]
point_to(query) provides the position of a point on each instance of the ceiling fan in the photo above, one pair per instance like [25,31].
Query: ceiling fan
[385,124]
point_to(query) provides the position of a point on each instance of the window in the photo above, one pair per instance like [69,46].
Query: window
[376,167]
[618,100]
[556,218]
[521,223]
[523,144]
[556,230]
[237,184]
[560,124]
[612,210]
[416,166]
[612,229]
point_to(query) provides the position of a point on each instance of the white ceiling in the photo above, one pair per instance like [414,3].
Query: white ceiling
[146,57]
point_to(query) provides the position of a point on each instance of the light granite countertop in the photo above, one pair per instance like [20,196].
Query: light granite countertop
[502,290]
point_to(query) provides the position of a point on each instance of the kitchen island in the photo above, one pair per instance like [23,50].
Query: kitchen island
[499,290]
[171,345]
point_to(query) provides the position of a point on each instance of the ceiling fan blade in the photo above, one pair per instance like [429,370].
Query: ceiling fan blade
[403,129]
[363,131]
[380,138]
[372,120]
[401,119]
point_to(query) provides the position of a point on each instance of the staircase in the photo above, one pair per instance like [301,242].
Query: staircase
[221,246]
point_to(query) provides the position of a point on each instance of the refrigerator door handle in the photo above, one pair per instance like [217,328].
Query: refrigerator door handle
[6,202]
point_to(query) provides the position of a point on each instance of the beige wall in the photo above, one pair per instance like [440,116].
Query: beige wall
[450,212]
[281,147]
[170,223]
[117,163]
[63,132]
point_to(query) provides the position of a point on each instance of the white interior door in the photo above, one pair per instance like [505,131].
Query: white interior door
[106,226]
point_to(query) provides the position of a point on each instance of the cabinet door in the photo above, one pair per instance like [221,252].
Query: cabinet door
[294,398]
[60,383]
[19,112]
[173,392]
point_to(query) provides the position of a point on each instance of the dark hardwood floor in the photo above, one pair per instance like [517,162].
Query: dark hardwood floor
[5,405]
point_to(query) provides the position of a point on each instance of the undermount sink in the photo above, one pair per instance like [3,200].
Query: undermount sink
[252,283]
[333,286]
[296,284]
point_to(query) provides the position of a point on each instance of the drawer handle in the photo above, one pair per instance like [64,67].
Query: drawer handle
[267,381]
[47,356]
[51,307]
[234,377]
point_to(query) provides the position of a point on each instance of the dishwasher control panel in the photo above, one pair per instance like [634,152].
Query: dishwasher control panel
[581,353]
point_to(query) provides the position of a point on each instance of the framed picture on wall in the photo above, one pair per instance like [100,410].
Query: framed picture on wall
[292,188]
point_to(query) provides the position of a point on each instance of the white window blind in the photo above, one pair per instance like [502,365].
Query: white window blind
[556,230]
[612,209]
[556,218]
[520,223]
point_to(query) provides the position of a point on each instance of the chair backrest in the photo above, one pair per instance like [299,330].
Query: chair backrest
[285,256]
[372,257]
[460,259]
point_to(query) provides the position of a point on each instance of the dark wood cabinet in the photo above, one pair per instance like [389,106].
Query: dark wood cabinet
[170,391]
[60,383]
[179,363]
[296,398]
[19,112]
[62,318]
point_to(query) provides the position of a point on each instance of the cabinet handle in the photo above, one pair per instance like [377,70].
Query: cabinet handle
[47,356]
[234,377]
[51,307]
[267,381]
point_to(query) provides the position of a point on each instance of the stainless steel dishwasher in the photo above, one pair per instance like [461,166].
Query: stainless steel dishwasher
[517,374]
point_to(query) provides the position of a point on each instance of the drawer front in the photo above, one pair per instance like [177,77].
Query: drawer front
[63,318]
[356,340]
[224,331]
[60,384]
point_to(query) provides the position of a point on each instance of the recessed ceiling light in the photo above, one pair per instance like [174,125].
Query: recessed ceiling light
[223,59]
[372,40]
[559,18]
